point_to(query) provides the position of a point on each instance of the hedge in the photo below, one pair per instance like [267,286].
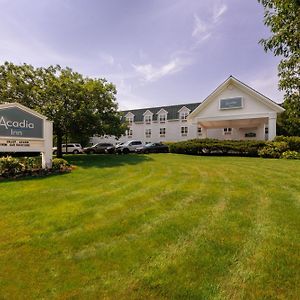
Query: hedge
[292,141]
[217,147]
[281,147]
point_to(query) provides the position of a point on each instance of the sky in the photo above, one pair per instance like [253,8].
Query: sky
[156,52]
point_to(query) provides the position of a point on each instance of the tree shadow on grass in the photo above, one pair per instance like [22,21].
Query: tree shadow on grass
[89,161]
[106,160]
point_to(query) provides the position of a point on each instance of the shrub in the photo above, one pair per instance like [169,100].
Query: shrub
[217,147]
[292,141]
[273,149]
[290,155]
[60,164]
[10,166]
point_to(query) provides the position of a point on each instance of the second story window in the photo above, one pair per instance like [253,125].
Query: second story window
[129,133]
[148,133]
[183,116]
[148,119]
[184,131]
[162,118]
[162,132]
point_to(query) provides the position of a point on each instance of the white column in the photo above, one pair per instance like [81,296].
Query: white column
[272,127]
[48,144]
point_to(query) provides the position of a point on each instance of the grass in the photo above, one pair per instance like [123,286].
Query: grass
[160,226]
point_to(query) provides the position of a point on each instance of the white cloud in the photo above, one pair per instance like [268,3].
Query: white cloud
[218,12]
[202,30]
[199,26]
[152,73]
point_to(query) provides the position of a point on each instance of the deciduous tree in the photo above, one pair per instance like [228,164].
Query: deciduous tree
[283,19]
[77,105]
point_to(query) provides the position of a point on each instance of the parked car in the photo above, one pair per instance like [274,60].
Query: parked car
[97,148]
[70,148]
[127,147]
[153,148]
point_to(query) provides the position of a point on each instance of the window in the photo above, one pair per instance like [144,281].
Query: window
[148,133]
[162,118]
[266,130]
[162,132]
[183,116]
[199,130]
[184,131]
[129,133]
[227,131]
[148,119]
[136,143]
[130,120]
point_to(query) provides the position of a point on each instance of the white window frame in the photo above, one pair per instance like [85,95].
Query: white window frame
[147,119]
[227,131]
[162,132]
[183,116]
[184,131]
[129,133]
[162,118]
[148,133]
[199,131]
[129,120]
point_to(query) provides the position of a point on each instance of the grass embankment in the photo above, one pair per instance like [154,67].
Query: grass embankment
[153,227]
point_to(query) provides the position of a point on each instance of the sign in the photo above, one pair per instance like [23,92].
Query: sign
[24,130]
[231,103]
[17,123]
[12,143]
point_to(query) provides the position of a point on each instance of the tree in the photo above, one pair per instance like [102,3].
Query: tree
[282,17]
[78,106]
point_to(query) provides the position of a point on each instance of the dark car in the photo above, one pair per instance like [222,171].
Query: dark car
[97,148]
[153,148]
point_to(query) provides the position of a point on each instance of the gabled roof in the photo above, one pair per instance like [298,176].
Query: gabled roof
[172,111]
[24,108]
[232,80]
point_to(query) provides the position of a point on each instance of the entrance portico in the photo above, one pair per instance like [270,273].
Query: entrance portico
[245,127]
[235,111]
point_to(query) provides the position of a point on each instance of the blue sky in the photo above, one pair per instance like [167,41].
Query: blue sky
[157,52]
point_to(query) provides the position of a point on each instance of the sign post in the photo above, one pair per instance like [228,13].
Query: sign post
[24,130]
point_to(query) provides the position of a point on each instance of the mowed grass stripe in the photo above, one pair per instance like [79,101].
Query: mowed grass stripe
[157,226]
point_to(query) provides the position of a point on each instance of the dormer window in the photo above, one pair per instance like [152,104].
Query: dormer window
[183,116]
[148,119]
[162,118]
[129,120]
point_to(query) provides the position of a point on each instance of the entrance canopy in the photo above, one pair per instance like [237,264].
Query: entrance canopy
[236,105]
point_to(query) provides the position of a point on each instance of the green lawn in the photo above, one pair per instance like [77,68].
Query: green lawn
[160,226]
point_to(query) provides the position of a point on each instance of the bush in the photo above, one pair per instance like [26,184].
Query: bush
[217,147]
[60,164]
[10,166]
[290,155]
[292,141]
[273,149]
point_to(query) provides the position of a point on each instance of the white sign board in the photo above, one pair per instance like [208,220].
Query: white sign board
[24,130]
